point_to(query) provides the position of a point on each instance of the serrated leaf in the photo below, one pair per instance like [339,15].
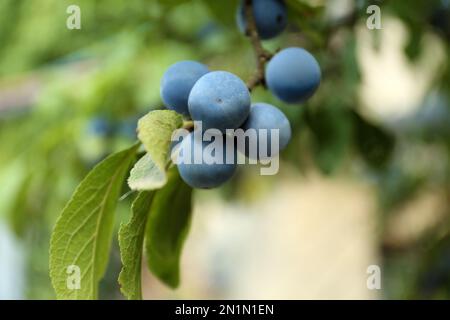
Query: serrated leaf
[155,131]
[131,242]
[167,227]
[145,175]
[82,235]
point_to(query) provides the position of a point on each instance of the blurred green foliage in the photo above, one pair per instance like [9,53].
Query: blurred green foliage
[55,81]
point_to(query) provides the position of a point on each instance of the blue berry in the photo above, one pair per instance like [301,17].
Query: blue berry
[203,175]
[100,126]
[293,75]
[266,116]
[270,17]
[220,100]
[177,82]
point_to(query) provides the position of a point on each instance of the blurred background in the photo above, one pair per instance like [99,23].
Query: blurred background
[365,180]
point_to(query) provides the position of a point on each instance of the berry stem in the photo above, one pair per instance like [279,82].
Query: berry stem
[188,124]
[261,54]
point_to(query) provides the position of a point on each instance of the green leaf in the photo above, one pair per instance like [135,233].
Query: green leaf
[131,241]
[397,186]
[155,131]
[83,233]
[302,8]
[172,3]
[375,144]
[145,175]
[167,227]
[18,214]
[223,11]
[331,129]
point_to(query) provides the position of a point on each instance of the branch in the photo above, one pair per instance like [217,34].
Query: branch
[262,55]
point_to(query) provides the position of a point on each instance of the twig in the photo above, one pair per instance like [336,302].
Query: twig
[262,55]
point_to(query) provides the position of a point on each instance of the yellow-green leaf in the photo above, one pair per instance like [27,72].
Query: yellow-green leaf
[155,131]
[145,175]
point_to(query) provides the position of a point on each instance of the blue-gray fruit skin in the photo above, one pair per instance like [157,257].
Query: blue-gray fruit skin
[220,100]
[177,82]
[293,75]
[266,116]
[203,175]
[270,17]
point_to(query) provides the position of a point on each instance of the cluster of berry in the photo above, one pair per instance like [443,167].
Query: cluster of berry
[221,100]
